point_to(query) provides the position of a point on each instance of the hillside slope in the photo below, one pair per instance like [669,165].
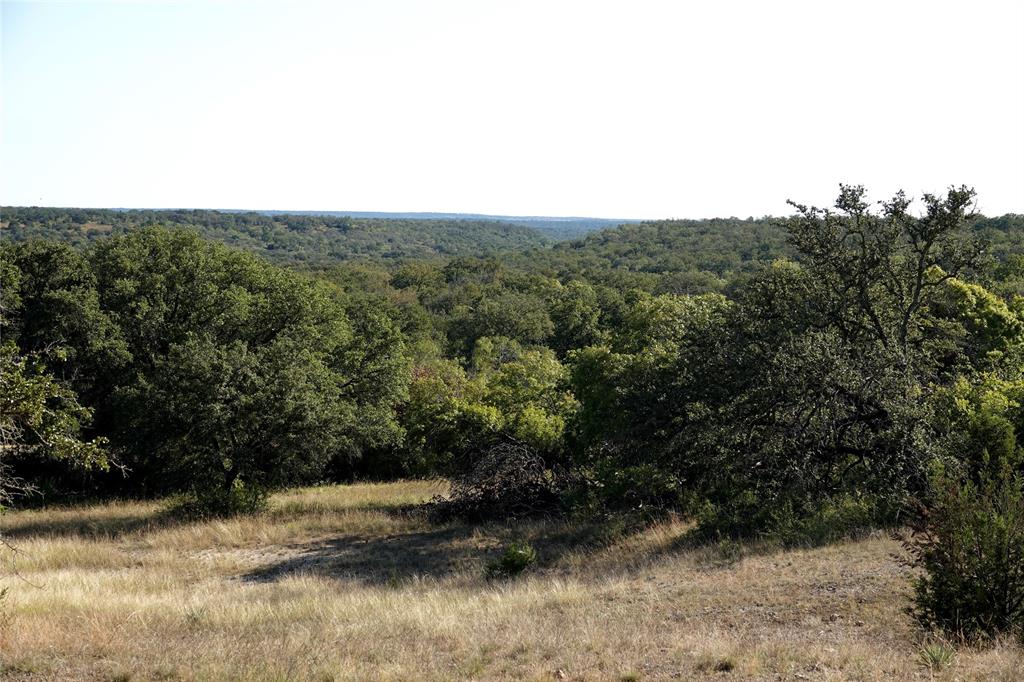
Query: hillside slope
[285,238]
[691,256]
[554,227]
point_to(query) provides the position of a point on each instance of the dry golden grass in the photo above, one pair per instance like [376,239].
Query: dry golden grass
[340,583]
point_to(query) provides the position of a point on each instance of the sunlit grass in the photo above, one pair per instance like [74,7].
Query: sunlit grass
[343,583]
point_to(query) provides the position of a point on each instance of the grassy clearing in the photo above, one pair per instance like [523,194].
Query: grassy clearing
[342,583]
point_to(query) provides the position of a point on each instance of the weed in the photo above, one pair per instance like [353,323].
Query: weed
[937,656]
[516,558]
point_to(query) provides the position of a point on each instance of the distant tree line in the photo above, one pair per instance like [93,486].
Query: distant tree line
[282,238]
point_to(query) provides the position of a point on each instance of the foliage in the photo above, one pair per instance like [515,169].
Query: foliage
[575,311]
[970,543]
[267,417]
[528,388]
[677,256]
[509,394]
[984,417]
[879,271]
[39,418]
[516,558]
[988,328]
[209,369]
[57,306]
[937,656]
[282,237]
[813,382]
[218,501]
[518,315]
[789,526]
[242,371]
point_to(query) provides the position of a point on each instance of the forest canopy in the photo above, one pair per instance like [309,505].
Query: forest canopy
[282,237]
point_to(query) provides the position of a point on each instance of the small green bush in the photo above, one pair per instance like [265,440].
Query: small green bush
[516,558]
[970,543]
[218,502]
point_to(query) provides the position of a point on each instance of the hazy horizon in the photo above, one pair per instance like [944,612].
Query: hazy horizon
[326,211]
[430,214]
[651,110]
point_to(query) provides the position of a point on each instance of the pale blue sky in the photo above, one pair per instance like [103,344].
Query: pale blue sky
[581,107]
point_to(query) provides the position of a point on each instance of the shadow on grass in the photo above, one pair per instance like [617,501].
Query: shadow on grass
[711,553]
[437,552]
[108,522]
[293,510]
[434,552]
[90,524]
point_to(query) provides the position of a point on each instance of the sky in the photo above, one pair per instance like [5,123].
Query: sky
[629,109]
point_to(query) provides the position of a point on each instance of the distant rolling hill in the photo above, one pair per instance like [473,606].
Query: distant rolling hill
[555,227]
[313,238]
[694,256]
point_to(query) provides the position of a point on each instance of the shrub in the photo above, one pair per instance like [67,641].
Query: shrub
[790,525]
[970,542]
[516,558]
[645,488]
[219,502]
[831,521]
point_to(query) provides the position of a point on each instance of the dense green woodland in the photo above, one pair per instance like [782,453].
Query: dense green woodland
[282,238]
[556,228]
[802,377]
[668,256]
